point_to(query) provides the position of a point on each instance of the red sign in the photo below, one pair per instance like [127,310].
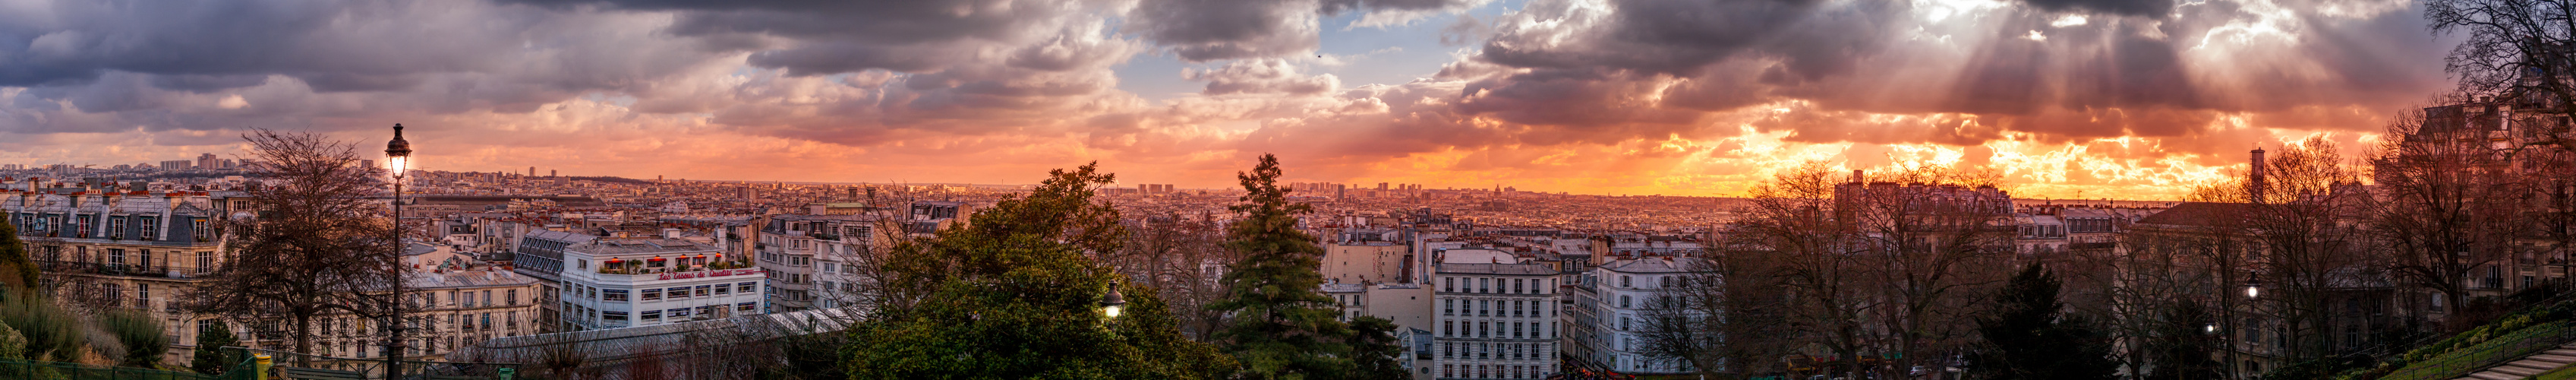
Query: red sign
[711,273]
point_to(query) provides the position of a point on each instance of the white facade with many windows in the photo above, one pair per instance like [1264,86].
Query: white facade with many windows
[1610,308]
[611,283]
[1496,320]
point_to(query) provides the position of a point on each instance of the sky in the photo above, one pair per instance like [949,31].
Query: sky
[2064,98]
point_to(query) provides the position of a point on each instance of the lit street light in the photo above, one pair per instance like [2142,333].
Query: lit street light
[398,156]
[1113,302]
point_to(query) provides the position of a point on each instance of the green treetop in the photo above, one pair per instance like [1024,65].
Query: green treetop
[1282,328]
[1014,295]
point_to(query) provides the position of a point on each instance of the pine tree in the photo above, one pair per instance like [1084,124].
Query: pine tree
[1282,326]
[210,356]
[2183,345]
[2035,339]
[1375,353]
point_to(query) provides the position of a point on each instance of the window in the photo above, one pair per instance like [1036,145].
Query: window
[514,297]
[116,256]
[151,228]
[746,306]
[703,289]
[652,316]
[676,313]
[724,289]
[1449,307]
[678,293]
[116,227]
[615,295]
[1623,302]
[1447,328]
[652,294]
[610,316]
[143,258]
[1516,286]
[746,287]
[1483,285]
[1449,284]
[205,259]
[1623,281]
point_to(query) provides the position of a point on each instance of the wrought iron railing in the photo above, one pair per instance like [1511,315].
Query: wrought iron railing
[374,368]
[113,269]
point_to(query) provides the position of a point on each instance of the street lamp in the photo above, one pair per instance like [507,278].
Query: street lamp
[2253,285]
[1113,302]
[398,156]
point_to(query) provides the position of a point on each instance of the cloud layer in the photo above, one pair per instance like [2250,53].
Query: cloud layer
[2128,98]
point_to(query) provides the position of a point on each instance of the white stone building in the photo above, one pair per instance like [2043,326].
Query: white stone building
[606,283]
[1609,310]
[1496,320]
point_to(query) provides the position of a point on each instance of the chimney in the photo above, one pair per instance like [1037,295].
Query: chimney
[2254,182]
[1856,176]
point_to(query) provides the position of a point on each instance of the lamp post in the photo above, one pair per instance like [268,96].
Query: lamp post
[397,155]
[2253,285]
[1111,303]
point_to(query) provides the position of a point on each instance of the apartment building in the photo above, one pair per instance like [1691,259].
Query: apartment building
[594,283]
[1610,305]
[119,250]
[1497,320]
[813,261]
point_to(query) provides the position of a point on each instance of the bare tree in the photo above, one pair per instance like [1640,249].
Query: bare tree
[1937,248]
[2519,51]
[1686,321]
[1792,218]
[1172,252]
[2449,206]
[313,244]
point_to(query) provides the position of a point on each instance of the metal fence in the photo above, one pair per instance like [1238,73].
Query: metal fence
[2505,347]
[373,368]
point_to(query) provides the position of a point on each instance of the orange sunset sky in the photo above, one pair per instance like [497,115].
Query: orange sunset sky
[2102,98]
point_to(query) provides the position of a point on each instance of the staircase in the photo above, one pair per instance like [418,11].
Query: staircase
[2528,366]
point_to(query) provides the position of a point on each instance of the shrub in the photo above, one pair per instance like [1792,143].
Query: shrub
[141,336]
[52,333]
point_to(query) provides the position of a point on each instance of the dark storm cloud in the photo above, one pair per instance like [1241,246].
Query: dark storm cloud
[2037,68]
[1206,30]
[2147,8]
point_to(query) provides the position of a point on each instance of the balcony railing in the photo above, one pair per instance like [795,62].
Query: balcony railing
[112,269]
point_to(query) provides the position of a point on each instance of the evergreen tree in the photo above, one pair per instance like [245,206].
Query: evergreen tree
[1375,353]
[1282,327]
[2035,339]
[17,270]
[1013,294]
[210,356]
[2182,347]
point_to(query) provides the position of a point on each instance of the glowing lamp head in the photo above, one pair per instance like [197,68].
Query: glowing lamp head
[1113,302]
[398,152]
[2253,285]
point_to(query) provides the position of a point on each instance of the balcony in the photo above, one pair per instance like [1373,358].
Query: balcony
[75,267]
